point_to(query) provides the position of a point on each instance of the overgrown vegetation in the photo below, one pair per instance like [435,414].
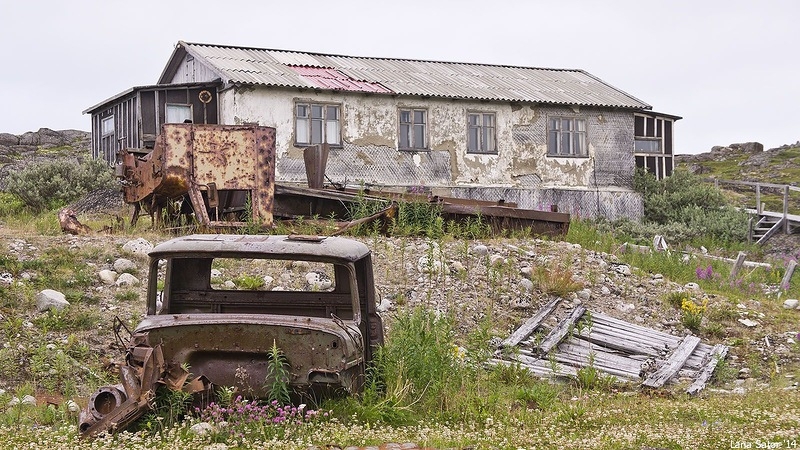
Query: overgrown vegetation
[52,184]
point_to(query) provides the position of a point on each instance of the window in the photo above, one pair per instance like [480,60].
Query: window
[178,113]
[566,137]
[652,144]
[107,126]
[413,133]
[317,124]
[480,133]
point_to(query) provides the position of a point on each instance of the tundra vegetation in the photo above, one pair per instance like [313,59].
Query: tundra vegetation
[430,383]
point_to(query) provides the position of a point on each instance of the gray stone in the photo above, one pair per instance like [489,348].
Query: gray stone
[72,406]
[138,247]
[480,250]
[526,284]
[6,279]
[693,286]
[9,139]
[605,290]
[127,279]
[585,294]
[318,281]
[268,280]
[108,277]
[27,400]
[496,260]
[456,267]
[622,269]
[300,265]
[123,265]
[201,428]
[526,271]
[228,284]
[748,323]
[49,299]
[626,307]
[426,264]
[791,303]
[215,273]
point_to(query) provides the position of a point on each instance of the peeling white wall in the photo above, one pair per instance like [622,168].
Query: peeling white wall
[370,128]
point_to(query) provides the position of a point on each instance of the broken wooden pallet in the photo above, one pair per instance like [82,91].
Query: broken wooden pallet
[625,351]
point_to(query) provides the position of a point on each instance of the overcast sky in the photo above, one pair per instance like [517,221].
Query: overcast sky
[730,68]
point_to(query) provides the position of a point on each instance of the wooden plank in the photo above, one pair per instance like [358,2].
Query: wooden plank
[717,355]
[787,277]
[673,364]
[624,345]
[531,324]
[557,334]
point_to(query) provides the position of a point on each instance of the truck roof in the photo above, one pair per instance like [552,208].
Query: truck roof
[264,246]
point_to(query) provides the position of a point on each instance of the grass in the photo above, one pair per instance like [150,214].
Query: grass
[430,384]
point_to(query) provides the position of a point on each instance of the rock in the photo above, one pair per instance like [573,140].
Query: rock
[692,286]
[138,247]
[6,279]
[228,284]
[748,323]
[622,269]
[268,280]
[585,294]
[791,303]
[526,271]
[626,307]
[216,446]
[108,277]
[27,400]
[300,265]
[744,373]
[425,264]
[480,250]
[456,267]
[496,260]
[72,406]
[215,273]
[123,265]
[201,428]
[318,281]
[127,279]
[526,285]
[49,299]
[605,290]
[384,305]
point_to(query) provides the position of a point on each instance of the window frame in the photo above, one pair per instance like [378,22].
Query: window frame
[324,123]
[573,132]
[107,131]
[167,107]
[481,129]
[413,124]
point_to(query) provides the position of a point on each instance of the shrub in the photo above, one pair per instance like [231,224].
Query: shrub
[51,184]
[683,208]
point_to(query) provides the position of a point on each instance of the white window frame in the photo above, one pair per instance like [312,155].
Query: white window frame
[567,137]
[184,108]
[412,128]
[314,124]
[482,135]
[107,126]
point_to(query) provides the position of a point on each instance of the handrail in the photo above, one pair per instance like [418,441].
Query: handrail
[758,185]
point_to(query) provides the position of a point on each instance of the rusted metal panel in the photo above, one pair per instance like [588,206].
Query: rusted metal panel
[187,158]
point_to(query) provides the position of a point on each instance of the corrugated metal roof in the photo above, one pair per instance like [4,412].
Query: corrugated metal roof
[242,65]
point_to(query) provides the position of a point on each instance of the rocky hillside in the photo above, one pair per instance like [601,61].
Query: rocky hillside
[15,151]
[746,162]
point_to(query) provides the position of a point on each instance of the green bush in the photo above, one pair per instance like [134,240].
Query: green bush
[51,184]
[682,208]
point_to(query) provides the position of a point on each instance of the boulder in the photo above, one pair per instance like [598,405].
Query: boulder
[108,277]
[791,303]
[127,279]
[9,139]
[50,299]
[138,247]
[123,265]
[480,250]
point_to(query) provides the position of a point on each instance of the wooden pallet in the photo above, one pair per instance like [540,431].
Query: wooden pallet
[622,350]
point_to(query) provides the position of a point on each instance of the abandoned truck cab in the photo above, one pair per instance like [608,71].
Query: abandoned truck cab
[218,306]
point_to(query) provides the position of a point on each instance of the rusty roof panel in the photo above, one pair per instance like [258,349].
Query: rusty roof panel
[413,77]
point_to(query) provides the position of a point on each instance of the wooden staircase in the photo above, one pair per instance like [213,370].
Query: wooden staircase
[770,223]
